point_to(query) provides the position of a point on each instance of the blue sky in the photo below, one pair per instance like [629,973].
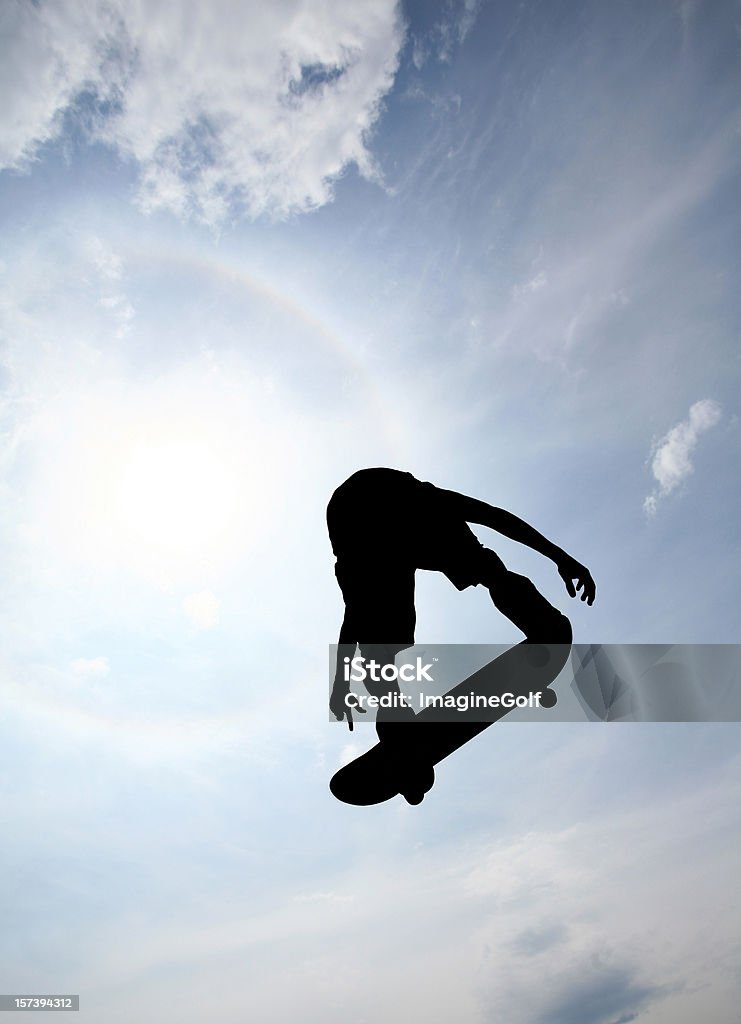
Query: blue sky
[247,250]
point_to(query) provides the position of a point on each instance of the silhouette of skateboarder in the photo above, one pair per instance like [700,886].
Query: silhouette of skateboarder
[384,524]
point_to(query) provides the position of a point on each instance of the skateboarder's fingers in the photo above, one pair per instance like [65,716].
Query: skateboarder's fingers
[360,711]
[569,584]
[589,589]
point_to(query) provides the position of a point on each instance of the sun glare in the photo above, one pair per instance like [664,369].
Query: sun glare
[166,491]
[177,496]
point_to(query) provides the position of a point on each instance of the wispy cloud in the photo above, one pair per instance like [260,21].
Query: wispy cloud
[260,107]
[457,20]
[110,272]
[90,667]
[671,462]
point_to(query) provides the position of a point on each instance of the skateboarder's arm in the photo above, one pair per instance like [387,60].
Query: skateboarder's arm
[345,649]
[509,525]
[346,643]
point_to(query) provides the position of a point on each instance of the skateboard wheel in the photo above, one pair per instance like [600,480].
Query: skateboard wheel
[548,698]
[415,797]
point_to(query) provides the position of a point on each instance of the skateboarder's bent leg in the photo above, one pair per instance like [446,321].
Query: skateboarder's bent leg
[395,708]
[396,727]
[519,599]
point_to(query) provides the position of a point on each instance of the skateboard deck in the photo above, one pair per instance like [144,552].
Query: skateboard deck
[436,732]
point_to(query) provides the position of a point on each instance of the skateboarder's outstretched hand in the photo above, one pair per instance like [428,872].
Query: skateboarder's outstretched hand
[569,570]
[337,704]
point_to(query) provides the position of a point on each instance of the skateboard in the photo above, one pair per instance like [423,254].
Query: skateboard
[394,767]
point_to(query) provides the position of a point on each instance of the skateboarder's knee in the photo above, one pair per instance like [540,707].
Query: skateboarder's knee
[520,600]
[561,630]
[548,622]
[549,626]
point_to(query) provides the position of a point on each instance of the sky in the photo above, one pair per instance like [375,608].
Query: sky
[248,249]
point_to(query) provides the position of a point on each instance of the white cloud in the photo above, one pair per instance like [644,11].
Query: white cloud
[202,609]
[628,912]
[90,667]
[49,53]
[255,106]
[671,462]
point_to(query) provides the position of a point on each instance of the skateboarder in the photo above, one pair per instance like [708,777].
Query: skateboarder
[385,524]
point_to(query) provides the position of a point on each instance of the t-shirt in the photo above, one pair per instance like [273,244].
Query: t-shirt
[384,511]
